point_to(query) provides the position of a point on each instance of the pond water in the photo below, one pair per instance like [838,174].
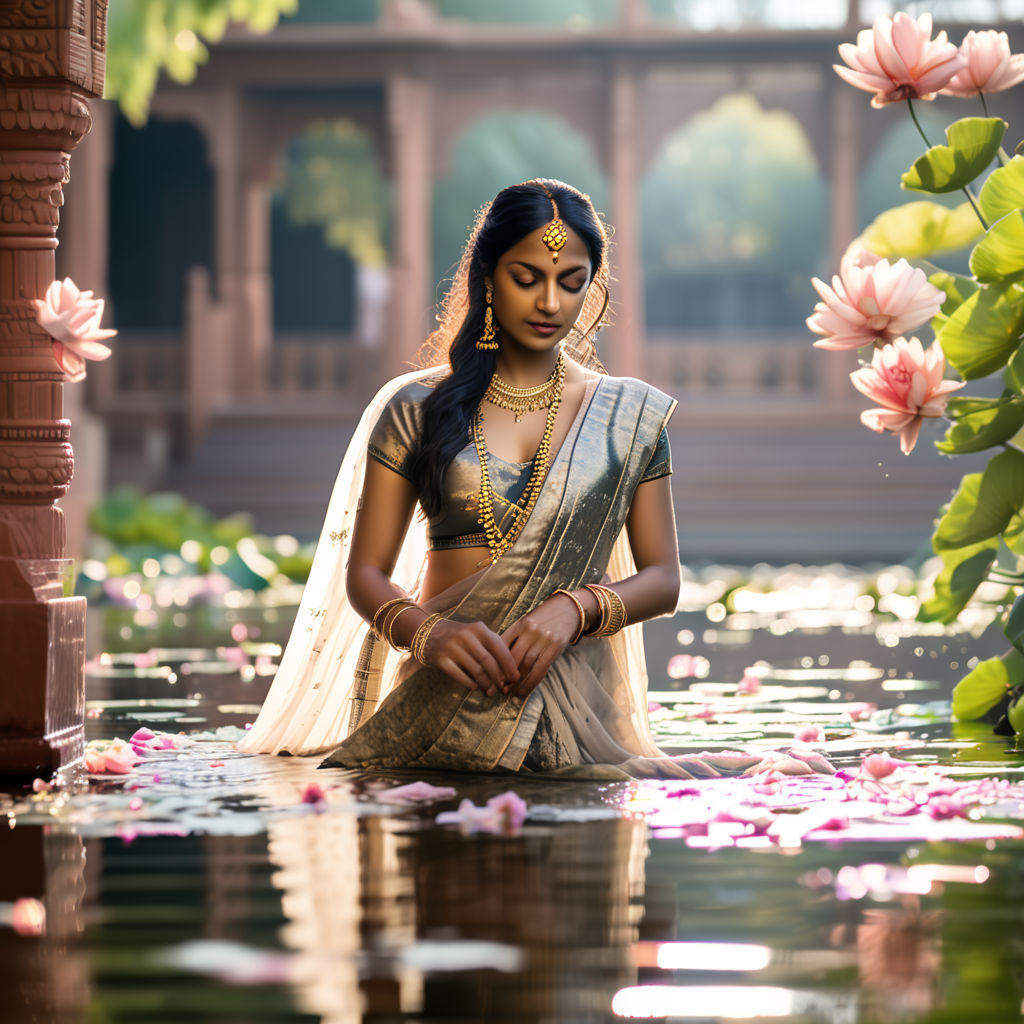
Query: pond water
[211,886]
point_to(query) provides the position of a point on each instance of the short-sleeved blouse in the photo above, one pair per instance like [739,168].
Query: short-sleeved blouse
[395,437]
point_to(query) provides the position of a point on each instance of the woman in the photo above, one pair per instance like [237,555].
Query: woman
[537,475]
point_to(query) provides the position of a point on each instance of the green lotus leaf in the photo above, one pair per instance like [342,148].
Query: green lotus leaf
[999,256]
[1003,191]
[983,331]
[972,145]
[981,427]
[983,504]
[920,229]
[987,684]
[963,571]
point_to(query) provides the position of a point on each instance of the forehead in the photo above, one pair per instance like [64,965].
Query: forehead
[532,250]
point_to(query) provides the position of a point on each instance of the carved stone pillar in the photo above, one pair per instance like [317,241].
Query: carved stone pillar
[843,173]
[51,62]
[410,110]
[625,354]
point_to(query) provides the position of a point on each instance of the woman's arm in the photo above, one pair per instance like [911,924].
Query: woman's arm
[538,638]
[470,653]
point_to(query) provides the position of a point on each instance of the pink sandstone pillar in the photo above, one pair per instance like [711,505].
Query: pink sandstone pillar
[843,224]
[409,116]
[51,61]
[625,355]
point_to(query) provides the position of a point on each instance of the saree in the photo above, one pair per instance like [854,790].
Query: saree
[593,699]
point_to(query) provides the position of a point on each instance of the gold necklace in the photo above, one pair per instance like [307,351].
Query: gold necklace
[523,400]
[496,541]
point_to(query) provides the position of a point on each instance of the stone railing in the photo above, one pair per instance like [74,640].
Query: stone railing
[736,369]
[325,363]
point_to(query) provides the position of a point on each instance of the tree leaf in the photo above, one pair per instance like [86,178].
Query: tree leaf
[972,145]
[983,504]
[1014,628]
[986,684]
[1003,191]
[982,427]
[999,256]
[921,229]
[963,571]
[983,331]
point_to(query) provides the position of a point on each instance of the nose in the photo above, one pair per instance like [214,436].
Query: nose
[547,301]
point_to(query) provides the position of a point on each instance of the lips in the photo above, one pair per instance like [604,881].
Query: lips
[542,327]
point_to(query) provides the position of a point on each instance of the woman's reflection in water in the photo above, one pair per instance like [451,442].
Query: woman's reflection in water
[377,906]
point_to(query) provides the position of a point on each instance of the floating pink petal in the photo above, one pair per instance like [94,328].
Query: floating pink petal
[810,734]
[502,814]
[413,792]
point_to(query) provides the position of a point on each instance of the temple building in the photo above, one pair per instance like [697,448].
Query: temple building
[251,334]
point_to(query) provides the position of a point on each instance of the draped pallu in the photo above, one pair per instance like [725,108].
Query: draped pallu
[338,684]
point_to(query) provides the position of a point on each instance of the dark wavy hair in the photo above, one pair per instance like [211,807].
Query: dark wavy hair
[449,409]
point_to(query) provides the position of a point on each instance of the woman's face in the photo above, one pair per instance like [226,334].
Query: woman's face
[536,301]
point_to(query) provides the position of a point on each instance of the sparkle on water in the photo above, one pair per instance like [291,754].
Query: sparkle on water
[207,885]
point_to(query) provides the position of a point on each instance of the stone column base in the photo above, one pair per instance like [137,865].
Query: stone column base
[42,685]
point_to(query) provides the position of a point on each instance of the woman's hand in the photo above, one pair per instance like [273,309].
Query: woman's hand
[473,655]
[538,638]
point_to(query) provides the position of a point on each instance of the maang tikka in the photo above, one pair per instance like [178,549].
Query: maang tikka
[555,236]
[487,340]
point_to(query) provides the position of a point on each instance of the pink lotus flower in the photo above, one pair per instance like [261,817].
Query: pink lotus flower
[28,917]
[990,65]
[908,383]
[72,318]
[110,757]
[897,59]
[872,302]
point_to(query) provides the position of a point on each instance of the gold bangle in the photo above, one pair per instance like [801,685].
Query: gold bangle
[383,609]
[418,644]
[617,616]
[603,608]
[389,626]
[579,607]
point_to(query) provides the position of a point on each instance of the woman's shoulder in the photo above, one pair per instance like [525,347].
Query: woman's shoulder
[639,390]
[410,388]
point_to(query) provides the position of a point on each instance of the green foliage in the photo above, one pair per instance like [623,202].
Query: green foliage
[1003,191]
[145,37]
[984,503]
[957,288]
[984,331]
[999,256]
[921,229]
[768,219]
[331,178]
[963,571]
[980,423]
[973,143]
[987,684]
[139,531]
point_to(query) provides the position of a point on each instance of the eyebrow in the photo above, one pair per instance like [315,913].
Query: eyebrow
[539,270]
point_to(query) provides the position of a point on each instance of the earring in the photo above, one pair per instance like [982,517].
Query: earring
[486,340]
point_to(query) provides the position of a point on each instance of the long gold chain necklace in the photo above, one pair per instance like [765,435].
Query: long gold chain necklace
[497,542]
[523,400]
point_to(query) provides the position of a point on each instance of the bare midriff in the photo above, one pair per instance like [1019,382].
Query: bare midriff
[446,568]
